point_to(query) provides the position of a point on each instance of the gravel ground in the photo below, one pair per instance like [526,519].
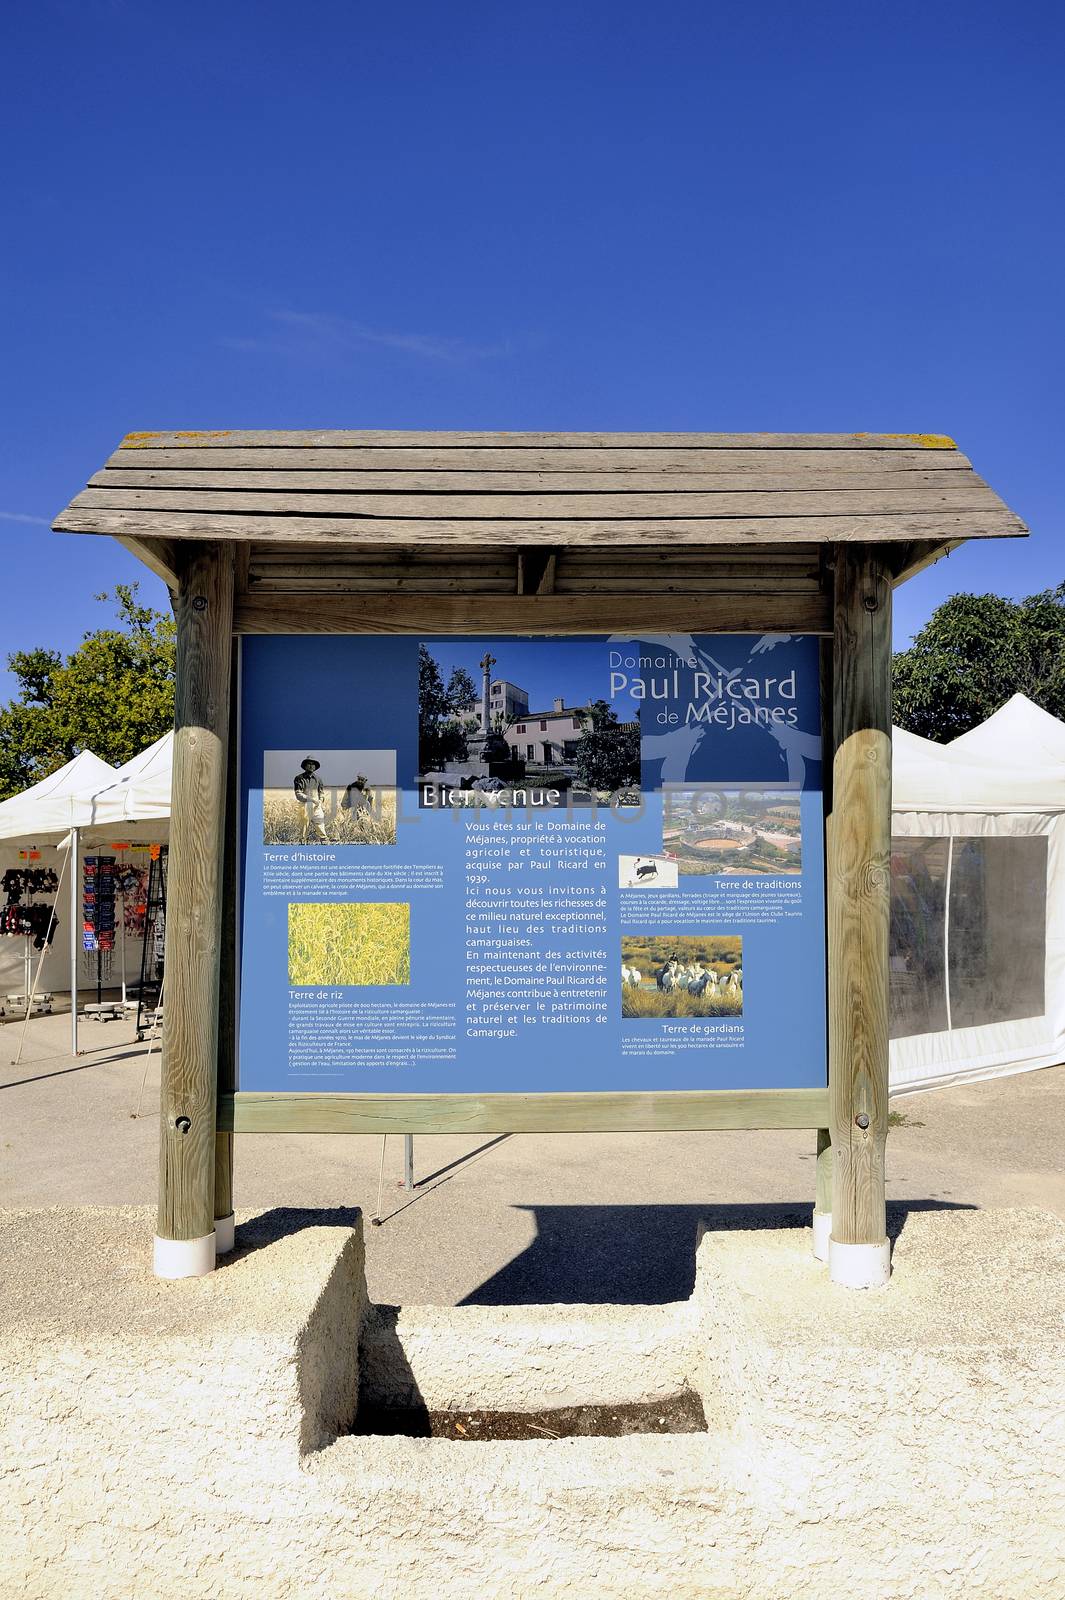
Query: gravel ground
[520,1219]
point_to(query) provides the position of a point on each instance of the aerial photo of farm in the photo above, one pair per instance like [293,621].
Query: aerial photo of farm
[678,975]
[741,831]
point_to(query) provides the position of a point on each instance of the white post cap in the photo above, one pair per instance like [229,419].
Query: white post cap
[224,1234]
[822,1234]
[183,1258]
[859,1266]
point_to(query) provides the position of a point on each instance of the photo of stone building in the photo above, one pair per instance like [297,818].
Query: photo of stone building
[478,735]
[549,737]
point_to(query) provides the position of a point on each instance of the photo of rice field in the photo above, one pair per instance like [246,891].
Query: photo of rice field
[350,944]
[680,975]
[725,831]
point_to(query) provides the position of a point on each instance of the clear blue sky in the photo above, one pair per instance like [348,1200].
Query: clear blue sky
[619,216]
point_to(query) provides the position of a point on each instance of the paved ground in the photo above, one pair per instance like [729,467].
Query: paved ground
[520,1219]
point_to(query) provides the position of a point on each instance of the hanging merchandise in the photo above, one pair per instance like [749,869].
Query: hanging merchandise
[36,922]
[98,903]
[133,887]
[22,916]
[98,916]
[20,882]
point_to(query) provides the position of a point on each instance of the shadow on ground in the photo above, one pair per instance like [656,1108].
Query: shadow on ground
[593,1255]
[635,1255]
[132,1052]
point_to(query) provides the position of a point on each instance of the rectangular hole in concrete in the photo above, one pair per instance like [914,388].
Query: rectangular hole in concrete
[680,1413]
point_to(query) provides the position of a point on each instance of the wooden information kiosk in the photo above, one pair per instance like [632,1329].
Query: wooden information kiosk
[535,536]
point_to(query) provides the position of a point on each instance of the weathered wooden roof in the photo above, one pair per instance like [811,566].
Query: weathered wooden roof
[412,490]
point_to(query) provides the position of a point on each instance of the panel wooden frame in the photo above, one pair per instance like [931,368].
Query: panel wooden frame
[550,614]
[674,1112]
[254,1111]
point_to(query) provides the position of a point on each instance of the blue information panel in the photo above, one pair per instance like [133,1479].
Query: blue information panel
[514,864]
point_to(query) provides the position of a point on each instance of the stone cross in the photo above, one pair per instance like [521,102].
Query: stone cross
[487,663]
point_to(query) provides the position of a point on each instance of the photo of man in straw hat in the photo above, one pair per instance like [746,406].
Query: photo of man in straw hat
[310,794]
[338,797]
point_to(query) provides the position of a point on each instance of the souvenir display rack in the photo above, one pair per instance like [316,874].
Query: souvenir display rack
[98,915]
[33,920]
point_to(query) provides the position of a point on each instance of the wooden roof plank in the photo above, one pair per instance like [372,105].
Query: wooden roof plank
[313,439]
[961,496]
[841,527]
[382,492]
[475,458]
[486,481]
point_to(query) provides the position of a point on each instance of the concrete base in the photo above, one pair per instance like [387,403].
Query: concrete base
[183,1258]
[822,1229]
[175,1439]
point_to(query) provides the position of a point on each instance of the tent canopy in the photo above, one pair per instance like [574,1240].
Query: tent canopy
[138,792]
[20,817]
[1018,733]
[1012,763]
[94,797]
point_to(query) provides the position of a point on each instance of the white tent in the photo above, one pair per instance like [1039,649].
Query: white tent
[89,803]
[138,792]
[1020,731]
[20,817]
[978,901]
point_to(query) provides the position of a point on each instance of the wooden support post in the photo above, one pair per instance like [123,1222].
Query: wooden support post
[227,981]
[185,1239]
[859,842]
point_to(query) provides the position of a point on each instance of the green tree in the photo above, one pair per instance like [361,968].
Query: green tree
[608,752]
[113,695]
[461,691]
[441,735]
[973,653]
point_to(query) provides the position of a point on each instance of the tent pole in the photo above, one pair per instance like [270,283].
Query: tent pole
[946,930]
[120,899]
[74,930]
